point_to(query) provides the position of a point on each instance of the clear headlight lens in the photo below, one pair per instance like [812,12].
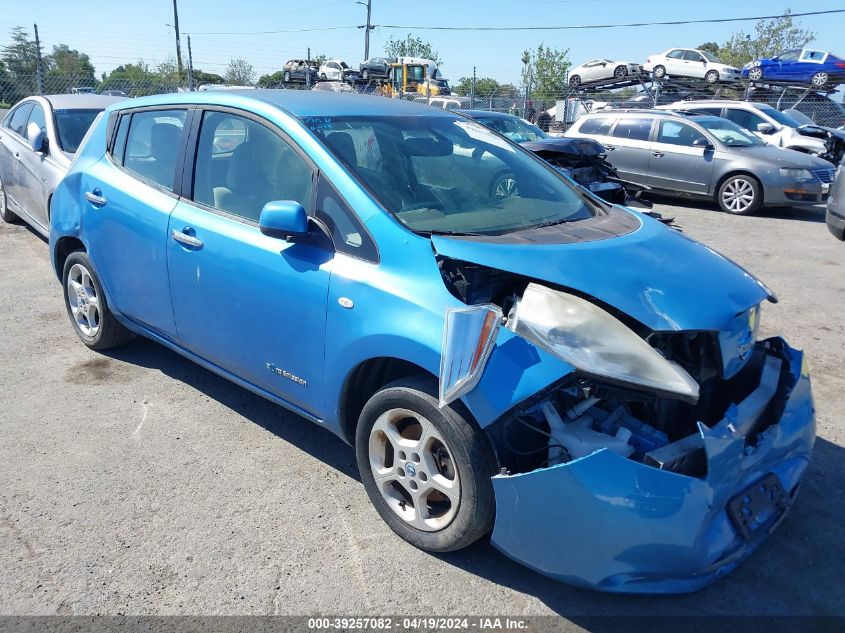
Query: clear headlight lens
[594,342]
[797,174]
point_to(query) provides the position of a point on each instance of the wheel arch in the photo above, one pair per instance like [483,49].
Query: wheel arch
[64,247]
[740,172]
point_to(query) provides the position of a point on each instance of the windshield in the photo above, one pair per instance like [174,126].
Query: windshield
[514,128]
[71,126]
[727,132]
[450,175]
[802,118]
[710,57]
[781,117]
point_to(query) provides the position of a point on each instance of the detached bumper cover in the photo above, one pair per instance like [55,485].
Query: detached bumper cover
[609,523]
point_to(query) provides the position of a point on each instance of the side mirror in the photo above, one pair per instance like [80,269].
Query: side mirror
[284,219]
[702,142]
[765,128]
[36,137]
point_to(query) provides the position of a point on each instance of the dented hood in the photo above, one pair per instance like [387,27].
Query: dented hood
[655,274]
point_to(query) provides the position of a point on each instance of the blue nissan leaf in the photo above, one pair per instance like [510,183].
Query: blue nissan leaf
[575,377]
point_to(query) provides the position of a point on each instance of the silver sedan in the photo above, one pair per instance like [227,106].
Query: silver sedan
[38,139]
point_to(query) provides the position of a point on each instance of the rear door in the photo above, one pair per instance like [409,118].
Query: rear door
[631,147]
[130,194]
[676,164]
[674,63]
[251,304]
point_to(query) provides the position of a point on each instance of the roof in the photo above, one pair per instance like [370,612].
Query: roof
[82,101]
[489,114]
[299,103]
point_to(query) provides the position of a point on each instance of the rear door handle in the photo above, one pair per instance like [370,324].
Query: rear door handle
[187,240]
[658,154]
[95,197]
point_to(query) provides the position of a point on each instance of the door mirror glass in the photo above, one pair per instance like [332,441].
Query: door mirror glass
[35,136]
[765,128]
[283,219]
[702,142]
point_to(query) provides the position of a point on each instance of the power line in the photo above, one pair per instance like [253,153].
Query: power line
[324,28]
[606,26]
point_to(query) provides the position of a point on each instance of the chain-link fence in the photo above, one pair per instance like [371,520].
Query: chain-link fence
[553,111]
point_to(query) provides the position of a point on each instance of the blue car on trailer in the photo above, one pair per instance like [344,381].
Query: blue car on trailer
[804,65]
[572,375]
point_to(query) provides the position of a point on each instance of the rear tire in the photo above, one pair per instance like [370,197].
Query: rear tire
[5,213]
[740,195]
[659,72]
[819,79]
[87,306]
[620,72]
[712,76]
[286,77]
[574,81]
[420,452]
[755,74]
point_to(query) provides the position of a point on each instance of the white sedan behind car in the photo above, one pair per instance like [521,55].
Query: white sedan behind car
[599,69]
[690,62]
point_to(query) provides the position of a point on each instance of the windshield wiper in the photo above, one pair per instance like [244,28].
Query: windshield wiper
[456,233]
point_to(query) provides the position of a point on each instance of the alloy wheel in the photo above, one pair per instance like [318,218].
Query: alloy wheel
[819,79]
[712,77]
[83,300]
[620,71]
[414,470]
[755,74]
[659,72]
[738,195]
[506,187]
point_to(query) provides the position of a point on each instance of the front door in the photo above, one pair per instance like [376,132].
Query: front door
[252,304]
[676,163]
[130,196]
[33,169]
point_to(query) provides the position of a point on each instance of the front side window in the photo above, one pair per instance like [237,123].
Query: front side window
[259,168]
[789,56]
[744,118]
[72,125]
[152,145]
[633,129]
[677,133]
[20,115]
[692,56]
[450,175]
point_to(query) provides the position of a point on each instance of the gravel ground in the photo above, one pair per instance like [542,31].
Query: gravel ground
[136,482]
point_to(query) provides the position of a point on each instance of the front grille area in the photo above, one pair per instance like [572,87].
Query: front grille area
[825,175]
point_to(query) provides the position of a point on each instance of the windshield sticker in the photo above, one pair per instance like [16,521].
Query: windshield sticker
[317,123]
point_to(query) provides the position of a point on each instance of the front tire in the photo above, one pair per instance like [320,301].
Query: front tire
[755,74]
[712,76]
[287,77]
[365,75]
[740,195]
[5,212]
[426,469]
[574,81]
[659,72]
[87,306]
[620,72]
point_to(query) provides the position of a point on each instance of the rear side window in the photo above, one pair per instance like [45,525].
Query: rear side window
[710,111]
[633,129]
[19,117]
[600,126]
[152,145]
[676,55]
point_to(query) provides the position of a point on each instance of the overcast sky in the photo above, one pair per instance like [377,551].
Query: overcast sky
[120,32]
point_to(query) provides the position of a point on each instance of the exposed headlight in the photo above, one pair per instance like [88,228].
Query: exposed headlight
[797,174]
[594,342]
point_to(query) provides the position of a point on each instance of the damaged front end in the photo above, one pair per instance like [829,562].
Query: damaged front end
[659,459]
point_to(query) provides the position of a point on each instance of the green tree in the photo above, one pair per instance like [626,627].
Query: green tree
[411,47]
[545,70]
[168,72]
[203,78]
[20,58]
[770,37]
[319,59]
[483,86]
[710,47]
[276,80]
[136,80]
[239,72]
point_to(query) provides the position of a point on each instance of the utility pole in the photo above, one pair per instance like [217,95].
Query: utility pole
[178,45]
[308,69]
[190,67]
[472,91]
[369,27]
[39,76]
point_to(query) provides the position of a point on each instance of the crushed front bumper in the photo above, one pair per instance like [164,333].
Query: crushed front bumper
[609,523]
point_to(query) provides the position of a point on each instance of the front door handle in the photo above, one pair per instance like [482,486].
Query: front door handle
[187,240]
[658,154]
[95,197]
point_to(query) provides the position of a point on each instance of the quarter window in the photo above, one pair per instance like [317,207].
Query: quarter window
[152,145]
[37,116]
[599,126]
[633,129]
[17,122]
[744,118]
[257,167]
[347,232]
[676,133]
